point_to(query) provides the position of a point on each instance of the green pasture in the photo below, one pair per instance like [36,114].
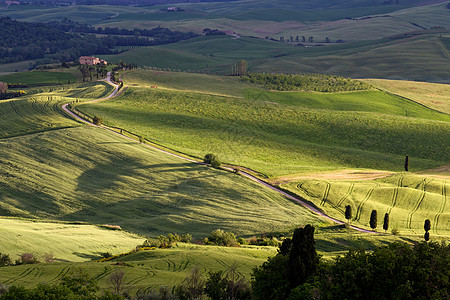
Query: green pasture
[39,77]
[409,200]
[92,175]
[41,109]
[432,95]
[319,132]
[417,58]
[67,242]
[147,269]
[151,269]
[6,69]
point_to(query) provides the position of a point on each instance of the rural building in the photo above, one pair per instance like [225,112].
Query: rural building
[3,87]
[88,60]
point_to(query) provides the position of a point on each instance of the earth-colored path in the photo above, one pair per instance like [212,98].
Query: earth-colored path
[266,184]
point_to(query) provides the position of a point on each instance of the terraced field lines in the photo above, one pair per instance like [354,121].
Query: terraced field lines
[325,194]
[14,107]
[441,209]
[61,274]
[418,203]
[361,205]
[395,194]
[24,274]
[349,192]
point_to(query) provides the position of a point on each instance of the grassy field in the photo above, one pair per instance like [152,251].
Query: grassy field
[41,109]
[147,269]
[40,77]
[318,133]
[419,58]
[435,96]
[168,267]
[67,242]
[108,179]
[409,200]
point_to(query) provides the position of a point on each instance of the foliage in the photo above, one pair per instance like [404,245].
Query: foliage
[5,260]
[97,120]
[307,82]
[68,41]
[295,263]
[373,219]
[27,258]
[386,222]
[167,241]
[212,160]
[221,238]
[348,212]
[192,287]
[79,282]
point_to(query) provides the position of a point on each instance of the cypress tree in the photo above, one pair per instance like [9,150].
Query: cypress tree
[302,257]
[386,222]
[373,219]
[348,213]
[407,163]
[427,227]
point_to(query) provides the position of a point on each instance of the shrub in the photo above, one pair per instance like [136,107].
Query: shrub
[27,258]
[212,160]
[106,254]
[97,120]
[221,238]
[5,260]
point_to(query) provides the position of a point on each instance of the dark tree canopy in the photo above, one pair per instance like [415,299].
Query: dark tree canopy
[373,219]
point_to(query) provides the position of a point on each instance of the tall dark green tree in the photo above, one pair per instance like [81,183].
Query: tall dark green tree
[373,219]
[303,257]
[407,163]
[386,222]
[348,213]
[427,227]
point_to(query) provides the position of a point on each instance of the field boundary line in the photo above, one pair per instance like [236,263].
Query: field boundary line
[247,174]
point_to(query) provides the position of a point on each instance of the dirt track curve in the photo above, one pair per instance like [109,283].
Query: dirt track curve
[261,182]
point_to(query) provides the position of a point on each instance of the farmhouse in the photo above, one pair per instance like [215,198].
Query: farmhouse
[88,60]
[3,87]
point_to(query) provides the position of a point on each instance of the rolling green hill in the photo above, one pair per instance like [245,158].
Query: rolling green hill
[151,269]
[67,242]
[108,179]
[418,58]
[275,137]
[409,200]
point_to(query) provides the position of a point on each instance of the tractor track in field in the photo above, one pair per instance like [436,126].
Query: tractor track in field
[395,194]
[363,202]
[349,192]
[16,110]
[443,204]
[246,174]
[325,194]
[416,207]
[24,274]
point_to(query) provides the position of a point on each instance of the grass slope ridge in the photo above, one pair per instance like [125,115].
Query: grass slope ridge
[364,130]
[67,242]
[409,200]
[108,179]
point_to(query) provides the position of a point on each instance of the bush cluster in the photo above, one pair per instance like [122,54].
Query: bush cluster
[212,160]
[221,238]
[306,82]
[167,241]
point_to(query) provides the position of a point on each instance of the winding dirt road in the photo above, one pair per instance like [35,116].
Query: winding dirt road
[261,182]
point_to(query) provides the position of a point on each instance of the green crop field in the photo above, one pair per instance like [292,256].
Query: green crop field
[40,77]
[151,269]
[409,200]
[67,242]
[354,130]
[419,58]
[435,96]
[42,111]
[147,269]
[109,179]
